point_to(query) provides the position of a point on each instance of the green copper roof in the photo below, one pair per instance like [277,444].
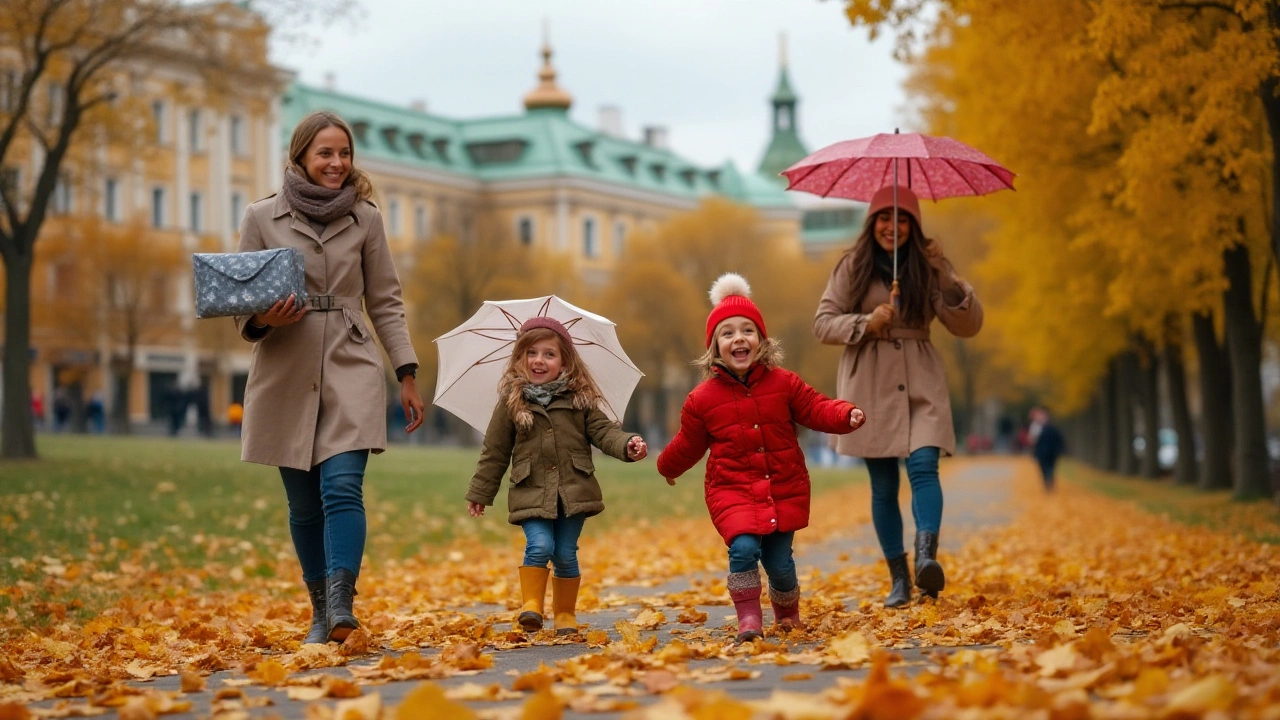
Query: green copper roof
[539,143]
[783,93]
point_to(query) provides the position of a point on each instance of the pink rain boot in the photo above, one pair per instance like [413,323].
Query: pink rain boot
[786,608]
[744,589]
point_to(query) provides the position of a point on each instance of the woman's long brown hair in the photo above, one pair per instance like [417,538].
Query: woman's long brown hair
[918,282]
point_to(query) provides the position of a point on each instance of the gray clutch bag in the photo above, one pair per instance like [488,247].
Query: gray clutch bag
[248,282]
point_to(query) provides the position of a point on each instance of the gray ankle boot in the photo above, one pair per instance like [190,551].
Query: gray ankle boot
[929,576]
[341,591]
[319,632]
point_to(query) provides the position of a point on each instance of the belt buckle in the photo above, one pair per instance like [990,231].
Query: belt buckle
[322,302]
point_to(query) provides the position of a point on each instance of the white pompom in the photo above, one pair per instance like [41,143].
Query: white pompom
[729,284]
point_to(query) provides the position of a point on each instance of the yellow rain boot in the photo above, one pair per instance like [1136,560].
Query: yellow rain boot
[533,591]
[564,601]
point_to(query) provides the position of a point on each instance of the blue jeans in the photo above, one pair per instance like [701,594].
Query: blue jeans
[773,551]
[555,541]
[926,497]
[326,514]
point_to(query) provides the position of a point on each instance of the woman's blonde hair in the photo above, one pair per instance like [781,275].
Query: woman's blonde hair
[768,354]
[579,383]
[305,133]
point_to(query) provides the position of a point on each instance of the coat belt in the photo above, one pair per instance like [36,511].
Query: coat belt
[326,303]
[905,334]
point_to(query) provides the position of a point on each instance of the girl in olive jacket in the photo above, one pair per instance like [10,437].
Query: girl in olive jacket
[544,425]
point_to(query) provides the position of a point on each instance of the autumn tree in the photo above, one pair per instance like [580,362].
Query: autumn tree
[64,66]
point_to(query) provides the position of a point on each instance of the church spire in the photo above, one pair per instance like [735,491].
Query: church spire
[785,147]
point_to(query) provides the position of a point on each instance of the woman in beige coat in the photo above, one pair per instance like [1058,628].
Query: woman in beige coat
[315,403]
[896,375]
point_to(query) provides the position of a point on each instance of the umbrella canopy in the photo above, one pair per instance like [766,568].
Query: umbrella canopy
[933,167]
[474,355]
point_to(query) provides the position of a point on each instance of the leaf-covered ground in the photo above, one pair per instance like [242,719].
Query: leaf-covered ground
[1073,606]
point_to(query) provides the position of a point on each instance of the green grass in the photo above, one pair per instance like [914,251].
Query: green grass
[1257,520]
[173,503]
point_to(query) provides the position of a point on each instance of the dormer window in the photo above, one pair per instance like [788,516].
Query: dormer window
[496,153]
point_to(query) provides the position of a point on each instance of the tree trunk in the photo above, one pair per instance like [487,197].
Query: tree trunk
[1109,458]
[1244,347]
[1271,105]
[1149,376]
[1175,372]
[1126,380]
[121,376]
[1215,405]
[17,431]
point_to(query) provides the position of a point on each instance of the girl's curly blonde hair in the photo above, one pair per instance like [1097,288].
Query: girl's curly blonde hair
[580,385]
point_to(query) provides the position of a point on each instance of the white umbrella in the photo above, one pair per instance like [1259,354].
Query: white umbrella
[474,355]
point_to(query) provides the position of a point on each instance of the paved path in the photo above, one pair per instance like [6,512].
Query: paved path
[977,496]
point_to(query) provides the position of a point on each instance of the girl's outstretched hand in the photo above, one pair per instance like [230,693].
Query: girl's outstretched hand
[671,481]
[637,449]
[475,509]
[856,418]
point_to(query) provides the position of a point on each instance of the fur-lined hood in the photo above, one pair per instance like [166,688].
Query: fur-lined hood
[769,354]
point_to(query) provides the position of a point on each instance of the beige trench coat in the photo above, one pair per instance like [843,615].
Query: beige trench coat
[316,387]
[899,382]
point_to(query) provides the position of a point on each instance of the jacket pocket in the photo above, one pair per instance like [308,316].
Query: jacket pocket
[520,471]
[583,464]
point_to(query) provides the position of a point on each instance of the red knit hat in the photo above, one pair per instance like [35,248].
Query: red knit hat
[907,202]
[731,297]
[549,323]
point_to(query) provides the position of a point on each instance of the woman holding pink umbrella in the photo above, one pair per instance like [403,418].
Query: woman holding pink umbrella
[880,302]
[897,374]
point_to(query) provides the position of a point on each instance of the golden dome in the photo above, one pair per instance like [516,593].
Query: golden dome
[548,94]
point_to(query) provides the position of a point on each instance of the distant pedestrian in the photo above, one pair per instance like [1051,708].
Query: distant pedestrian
[1048,445]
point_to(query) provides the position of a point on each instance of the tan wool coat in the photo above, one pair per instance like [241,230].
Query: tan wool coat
[317,387]
[550,462]
[900,382]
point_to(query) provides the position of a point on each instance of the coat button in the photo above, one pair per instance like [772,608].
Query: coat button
[315,386]
[319,249]
[761,448]
[548,431]
[755,427]
[897,344]
[902,387]
[773,520]
[553,468]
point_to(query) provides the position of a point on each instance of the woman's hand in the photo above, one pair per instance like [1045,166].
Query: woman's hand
[414,409]
[284,312]
[880,318]
[856,418]
[636,448]
[475,509]
[939,262]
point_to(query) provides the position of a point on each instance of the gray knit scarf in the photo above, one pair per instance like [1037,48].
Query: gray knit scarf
[317,202]
[546,392]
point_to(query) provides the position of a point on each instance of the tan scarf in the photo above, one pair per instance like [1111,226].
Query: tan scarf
[317,202]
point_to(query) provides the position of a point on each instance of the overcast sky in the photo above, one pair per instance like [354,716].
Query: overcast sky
[702,68]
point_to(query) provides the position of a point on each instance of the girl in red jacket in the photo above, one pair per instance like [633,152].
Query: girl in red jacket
[757,486]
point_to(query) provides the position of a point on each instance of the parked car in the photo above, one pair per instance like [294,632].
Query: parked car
[1166,454]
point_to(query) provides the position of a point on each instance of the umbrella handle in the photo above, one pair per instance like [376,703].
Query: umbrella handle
[895,297]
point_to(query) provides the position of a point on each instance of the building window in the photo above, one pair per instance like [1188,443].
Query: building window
[196,131]
[524,229]
[111,200]
[197,213]
[619,238]
[61,201]
[420,230]
[157,207]
[54,117]
[238,144]
[237,209]
[590,243]
[496,153]
[159,117]
[393,217]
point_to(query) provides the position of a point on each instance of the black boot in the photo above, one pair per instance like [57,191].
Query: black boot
[900,594]
[929,576]
[319,632]
[341,590]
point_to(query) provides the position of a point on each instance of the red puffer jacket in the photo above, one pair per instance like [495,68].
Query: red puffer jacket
[756,477]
